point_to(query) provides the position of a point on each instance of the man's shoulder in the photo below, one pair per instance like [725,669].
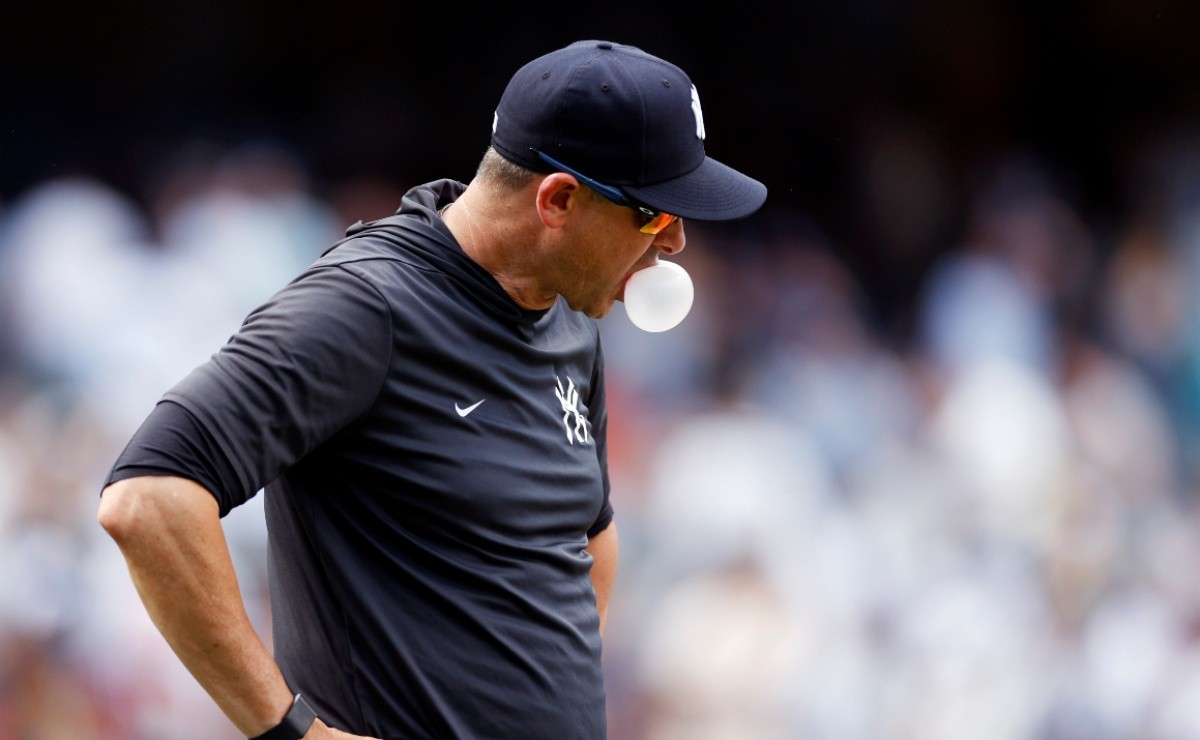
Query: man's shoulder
[393,238]
[387,254]
[413,235]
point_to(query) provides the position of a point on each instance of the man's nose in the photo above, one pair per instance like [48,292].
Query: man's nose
[671,240]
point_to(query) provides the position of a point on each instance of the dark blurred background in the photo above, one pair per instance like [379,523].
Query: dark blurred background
[921,464]
[800,94]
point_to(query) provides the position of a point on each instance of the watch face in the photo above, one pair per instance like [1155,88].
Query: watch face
[300,718]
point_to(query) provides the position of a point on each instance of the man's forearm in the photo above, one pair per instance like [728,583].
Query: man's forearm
[170,533]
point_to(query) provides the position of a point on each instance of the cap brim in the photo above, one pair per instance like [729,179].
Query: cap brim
[711,192]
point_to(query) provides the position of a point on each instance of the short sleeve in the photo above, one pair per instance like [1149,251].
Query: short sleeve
[303,366]
[171,441]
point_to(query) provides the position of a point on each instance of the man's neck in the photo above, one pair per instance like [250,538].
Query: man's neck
[497,235]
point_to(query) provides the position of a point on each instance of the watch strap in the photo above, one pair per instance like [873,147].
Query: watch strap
[295,723]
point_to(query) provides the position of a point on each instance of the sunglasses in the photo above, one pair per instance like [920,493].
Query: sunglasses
[656,221]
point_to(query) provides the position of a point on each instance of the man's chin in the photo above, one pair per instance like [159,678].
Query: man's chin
[598,311]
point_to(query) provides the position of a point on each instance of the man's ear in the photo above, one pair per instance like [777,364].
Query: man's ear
[557,195]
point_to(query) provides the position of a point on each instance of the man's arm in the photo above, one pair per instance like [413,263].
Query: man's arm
[170,533]
[605,551]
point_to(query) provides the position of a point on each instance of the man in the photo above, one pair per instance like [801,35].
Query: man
[425,408]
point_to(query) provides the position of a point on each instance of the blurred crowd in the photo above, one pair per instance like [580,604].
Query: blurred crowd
[976,522]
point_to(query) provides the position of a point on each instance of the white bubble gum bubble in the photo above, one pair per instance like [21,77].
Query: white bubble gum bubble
[658,297]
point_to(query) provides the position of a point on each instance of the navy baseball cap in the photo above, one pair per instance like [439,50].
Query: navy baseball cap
[624,118]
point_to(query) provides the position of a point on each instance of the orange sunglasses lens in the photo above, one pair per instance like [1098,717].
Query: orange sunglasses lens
[658,223]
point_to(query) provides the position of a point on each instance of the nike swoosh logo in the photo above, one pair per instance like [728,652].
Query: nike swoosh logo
[463,412]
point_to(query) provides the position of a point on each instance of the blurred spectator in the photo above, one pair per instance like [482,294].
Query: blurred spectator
[823,368]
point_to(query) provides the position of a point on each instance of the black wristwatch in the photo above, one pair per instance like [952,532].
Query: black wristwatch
[295,723]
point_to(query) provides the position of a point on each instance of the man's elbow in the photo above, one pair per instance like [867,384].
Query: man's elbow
[152,504]
[133,506]
[119,509]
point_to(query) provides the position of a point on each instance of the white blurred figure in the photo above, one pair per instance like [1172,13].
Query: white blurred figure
[957,521]
[1002,427]
[975,306]
[1124,515]
[716,656]
[38,599]
[729,491]
[120,318]
[829,582]
[823,370]
[737,479]
[1085,549]
[1129,646]
[1164,542]
[960,627]
[1122,425]
[1026,257]
[971,660]
[916,524]
[734,651]
[1174,715]
[75,268]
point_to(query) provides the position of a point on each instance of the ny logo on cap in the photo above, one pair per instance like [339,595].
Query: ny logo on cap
[697,113]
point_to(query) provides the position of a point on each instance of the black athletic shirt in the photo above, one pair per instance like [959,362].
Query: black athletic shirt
[434,463]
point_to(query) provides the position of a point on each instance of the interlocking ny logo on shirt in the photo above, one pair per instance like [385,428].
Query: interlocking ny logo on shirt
[569,398]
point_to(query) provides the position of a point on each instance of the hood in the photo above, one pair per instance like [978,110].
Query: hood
[417,228]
